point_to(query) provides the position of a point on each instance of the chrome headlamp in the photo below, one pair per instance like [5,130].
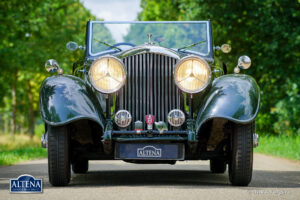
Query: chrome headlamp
[107,74]
[192,74]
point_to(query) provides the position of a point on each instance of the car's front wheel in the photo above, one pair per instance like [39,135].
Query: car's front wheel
[241,158]
[59,155]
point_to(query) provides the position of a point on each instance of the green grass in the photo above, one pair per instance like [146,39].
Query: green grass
[23,148]
[280,146]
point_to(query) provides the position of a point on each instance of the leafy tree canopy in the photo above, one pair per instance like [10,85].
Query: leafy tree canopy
[32,32]
[268,31]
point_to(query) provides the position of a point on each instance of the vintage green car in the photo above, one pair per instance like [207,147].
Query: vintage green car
[149,92]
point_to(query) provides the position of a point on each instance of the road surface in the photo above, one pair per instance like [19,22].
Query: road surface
[273,178]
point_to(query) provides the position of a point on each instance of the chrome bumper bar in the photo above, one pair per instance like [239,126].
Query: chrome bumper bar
[255,140]
[44,140]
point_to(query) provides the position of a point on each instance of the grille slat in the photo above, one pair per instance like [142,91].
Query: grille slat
[167,87]
[148,84]
[129,85]
[125,88]
[141,87]
[162,75]
[170,82]
[159,85]
[149,87]
[144,86]
[155,81]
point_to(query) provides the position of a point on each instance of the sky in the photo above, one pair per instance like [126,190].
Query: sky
[114,10]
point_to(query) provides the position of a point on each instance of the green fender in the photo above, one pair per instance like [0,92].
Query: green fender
[66,98]
[234,97]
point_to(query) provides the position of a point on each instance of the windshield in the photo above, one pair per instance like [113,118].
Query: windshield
[185,36]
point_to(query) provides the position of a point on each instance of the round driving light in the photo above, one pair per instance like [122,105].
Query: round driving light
[107,74]
[176,117]
[123,118]
[192,74]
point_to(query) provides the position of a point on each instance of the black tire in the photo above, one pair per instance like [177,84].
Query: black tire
[80,167]
[217,166]
[59,155]
[241,161]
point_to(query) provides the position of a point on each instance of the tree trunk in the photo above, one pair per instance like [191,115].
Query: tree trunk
[30,111]
[5,121]
[14,105]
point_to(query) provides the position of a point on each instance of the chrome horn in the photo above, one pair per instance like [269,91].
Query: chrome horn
[52,66]
[244,62]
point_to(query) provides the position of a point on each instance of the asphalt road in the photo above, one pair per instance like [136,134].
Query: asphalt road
[273,178]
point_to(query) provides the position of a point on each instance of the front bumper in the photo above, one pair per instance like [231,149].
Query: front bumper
[149,135]
[255,140]
[110,137]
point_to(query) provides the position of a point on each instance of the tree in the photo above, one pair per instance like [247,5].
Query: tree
[268,31]
[32,32]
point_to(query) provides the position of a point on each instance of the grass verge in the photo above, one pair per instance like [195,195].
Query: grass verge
[23,148]
[280,146]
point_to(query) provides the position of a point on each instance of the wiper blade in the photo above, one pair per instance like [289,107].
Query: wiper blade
[191,45]
[108,45]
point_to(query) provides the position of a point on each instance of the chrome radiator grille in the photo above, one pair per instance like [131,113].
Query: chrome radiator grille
[150,87]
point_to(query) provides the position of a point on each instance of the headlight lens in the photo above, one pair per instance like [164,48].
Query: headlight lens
[107,74]
[192,74]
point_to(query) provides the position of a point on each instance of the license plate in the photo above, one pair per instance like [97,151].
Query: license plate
[142,151]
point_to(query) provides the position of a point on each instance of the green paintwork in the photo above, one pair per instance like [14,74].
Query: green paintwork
[234,97]
[66,98]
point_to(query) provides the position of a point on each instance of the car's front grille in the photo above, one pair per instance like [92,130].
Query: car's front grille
[149,87]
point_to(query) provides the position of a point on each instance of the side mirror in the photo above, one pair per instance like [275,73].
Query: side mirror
[225,48]
[244,62]
[52,66]
[72,46]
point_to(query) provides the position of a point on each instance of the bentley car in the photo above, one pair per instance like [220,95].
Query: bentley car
[149,93]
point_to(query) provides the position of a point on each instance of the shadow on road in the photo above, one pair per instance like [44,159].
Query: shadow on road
[190,178]
[155,178]
[150,178]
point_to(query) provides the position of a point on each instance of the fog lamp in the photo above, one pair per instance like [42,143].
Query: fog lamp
[176,117]
[123,118]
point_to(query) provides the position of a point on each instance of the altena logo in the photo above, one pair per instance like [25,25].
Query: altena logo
[26,184]
[149,152]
